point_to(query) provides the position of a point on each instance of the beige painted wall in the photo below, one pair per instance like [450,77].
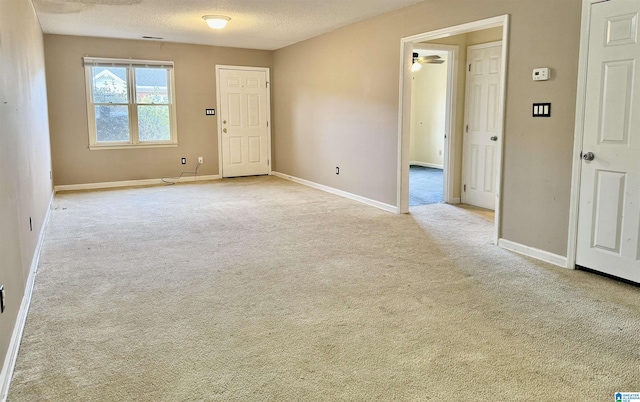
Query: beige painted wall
[428,113]
[336,104]
[25,161]
[484,36]
[195,86]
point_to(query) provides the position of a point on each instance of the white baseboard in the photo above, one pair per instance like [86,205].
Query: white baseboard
[131,183]
[426,164]
[373,203]
[16,337]
[534,253]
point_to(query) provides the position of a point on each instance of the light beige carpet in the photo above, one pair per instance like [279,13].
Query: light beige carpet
[258,289]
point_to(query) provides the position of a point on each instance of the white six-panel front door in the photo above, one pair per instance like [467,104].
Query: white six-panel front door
[483,129]
[244,122]
[609,208]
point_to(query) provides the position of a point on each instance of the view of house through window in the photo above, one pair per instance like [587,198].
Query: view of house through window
[130,104]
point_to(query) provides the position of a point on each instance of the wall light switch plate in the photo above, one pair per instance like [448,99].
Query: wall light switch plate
[541,74]
[541,110]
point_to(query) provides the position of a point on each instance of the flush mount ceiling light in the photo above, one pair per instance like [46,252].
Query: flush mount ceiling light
[216,21]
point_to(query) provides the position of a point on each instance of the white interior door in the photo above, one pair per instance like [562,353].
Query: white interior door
[609,207]
[244,112]
[483,127]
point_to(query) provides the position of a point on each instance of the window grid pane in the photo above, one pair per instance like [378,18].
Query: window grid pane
[112,123]
[152,86]
[154,123]
[110,85]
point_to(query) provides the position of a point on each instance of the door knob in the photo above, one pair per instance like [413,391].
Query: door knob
[224,130]
[588,156]
[494,138]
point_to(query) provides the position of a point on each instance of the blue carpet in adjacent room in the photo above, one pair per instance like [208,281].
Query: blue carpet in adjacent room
[425,186]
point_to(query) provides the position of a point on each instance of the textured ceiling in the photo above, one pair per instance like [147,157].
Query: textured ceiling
[255,24]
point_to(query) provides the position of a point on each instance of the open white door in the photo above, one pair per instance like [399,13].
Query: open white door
[243,99]
[609,209]
[483,129]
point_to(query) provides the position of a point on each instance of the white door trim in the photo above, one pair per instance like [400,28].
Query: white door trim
[404,109]
[448,167]
[218,114]
[581,100]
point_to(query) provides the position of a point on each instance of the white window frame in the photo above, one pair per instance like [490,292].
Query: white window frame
[134,140]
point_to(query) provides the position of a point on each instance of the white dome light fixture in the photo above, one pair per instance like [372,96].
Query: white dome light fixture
[216,21]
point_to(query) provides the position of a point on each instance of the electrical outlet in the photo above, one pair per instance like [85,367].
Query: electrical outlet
[183,161]
[200,159]
[2,299]
[440,152]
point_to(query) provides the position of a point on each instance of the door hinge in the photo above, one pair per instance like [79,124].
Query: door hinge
[267,123]
[266,84]
[466,128]
[464,188]
[469,67]
[268,161]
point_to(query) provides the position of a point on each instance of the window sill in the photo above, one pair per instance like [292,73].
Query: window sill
[136,146]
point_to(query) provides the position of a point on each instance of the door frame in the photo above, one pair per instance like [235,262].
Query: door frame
[218,115]
[450,116]
[466,116]
[404,107]
[581,100]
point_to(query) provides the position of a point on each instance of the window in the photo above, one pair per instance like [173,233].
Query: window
[130,103]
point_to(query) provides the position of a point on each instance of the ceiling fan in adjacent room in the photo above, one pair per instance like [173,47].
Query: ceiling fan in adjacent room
[418,60]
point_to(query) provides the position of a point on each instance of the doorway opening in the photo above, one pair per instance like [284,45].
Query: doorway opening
[452,123]
[433,71]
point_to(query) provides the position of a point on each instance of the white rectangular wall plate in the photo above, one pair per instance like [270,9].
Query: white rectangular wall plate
[541,110]
[541,74]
